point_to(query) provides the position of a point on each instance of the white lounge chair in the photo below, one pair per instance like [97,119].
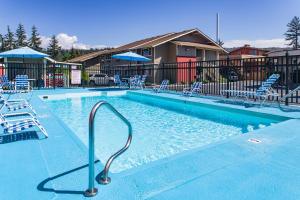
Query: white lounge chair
[15,104]
[18,125]
[261,94]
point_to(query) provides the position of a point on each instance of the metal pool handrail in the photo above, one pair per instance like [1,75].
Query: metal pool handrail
[103,179]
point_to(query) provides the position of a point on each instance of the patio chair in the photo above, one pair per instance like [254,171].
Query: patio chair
[140,82]
[18,125]
[261,94]
[22,84]
[195,88]
[163,86]
[5,83]
[119,82]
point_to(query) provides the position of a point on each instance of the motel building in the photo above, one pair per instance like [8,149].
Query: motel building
[185,46]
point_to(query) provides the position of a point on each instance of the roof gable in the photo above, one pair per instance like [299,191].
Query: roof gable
[150,42]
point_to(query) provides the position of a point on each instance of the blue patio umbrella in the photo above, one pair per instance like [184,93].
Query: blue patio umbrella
[23,52]
[130,56]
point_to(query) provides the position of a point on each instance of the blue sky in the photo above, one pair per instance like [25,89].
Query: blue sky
[116,22]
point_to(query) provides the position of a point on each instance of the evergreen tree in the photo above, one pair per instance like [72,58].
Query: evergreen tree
[21,40]
[293,32]
[9,40]
[2,47]
[73,53]
[35,40]
[54,48]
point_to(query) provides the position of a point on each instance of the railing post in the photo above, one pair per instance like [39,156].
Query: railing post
[227,76]
[54,68]
[163,71]
[83,75]
[189,73]
[287,77]
[69,82]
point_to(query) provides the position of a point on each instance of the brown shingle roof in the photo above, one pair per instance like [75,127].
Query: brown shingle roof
[135,44]
[148,42]
[166,38]
[89,56]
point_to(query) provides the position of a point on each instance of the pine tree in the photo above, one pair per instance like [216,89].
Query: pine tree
[73,53]
[54,48]
[2,47]
[35,40]
[21,40]
[9,40]
[293,32]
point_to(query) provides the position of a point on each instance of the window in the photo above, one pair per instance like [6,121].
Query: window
[147,52]
[253,52]
[199,53]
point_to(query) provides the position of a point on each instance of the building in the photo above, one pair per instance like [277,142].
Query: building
[278,59]
[244,61]
[246,51]
[187,45]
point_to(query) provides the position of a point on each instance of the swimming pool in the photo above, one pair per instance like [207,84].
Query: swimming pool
[161,127]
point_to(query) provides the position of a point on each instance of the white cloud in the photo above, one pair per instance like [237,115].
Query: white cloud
[263,43]
[67,42]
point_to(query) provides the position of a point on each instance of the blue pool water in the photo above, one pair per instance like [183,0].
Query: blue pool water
[161,127]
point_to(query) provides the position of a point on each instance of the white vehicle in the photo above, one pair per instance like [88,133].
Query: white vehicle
[100,79]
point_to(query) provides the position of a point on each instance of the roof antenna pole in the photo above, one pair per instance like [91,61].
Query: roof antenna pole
[217,29]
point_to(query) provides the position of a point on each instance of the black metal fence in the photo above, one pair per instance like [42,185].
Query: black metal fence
[43,75]
[217,75]
[229,74]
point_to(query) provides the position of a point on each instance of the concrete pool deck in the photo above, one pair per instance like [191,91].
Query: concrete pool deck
[56,168]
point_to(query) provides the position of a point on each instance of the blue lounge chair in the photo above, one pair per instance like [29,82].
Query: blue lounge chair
[119,82]
[163,86]
[261,94]
[195,88]
[18,125]
[4,82]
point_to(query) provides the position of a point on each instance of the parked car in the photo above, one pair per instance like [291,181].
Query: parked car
[100,79]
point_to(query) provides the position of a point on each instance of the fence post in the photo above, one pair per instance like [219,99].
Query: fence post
[54,67]
[83,75]
[227,76]
[287,77]
[163,71]
[69,84]
[190,73]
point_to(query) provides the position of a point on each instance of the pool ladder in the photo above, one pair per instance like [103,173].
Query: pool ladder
[103,178]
